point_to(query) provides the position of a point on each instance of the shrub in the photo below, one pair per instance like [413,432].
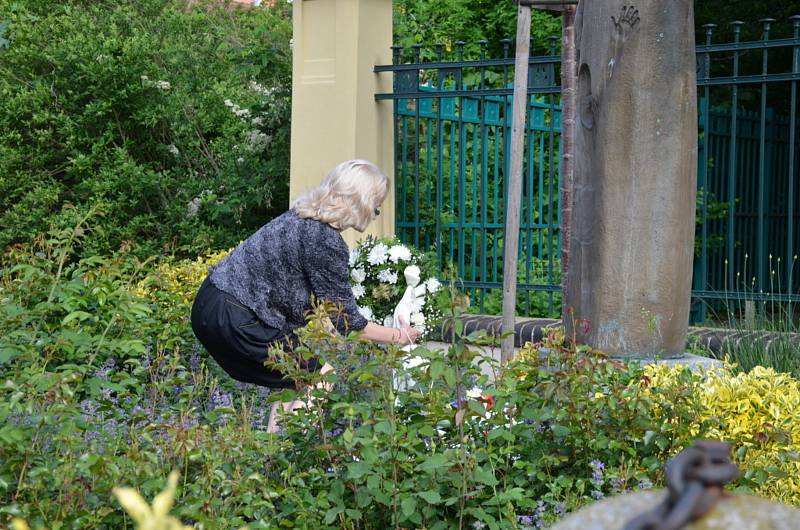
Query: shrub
[755,412]
[174,117]
[101,387]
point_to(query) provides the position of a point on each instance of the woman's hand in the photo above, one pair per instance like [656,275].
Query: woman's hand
[405,335]
[408,335]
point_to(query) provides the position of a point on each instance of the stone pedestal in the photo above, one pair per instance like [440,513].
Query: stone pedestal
[334,113]
[633,220]
[740,512]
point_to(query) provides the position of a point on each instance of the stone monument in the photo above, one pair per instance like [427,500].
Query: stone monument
[633,212]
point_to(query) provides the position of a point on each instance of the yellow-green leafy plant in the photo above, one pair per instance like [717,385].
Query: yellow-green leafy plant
[155,517]
[181,278]
[19,524]
[758,412]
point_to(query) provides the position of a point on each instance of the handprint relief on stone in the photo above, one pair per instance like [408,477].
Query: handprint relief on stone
[623,27]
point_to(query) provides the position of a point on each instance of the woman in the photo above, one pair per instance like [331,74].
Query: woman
[259,294]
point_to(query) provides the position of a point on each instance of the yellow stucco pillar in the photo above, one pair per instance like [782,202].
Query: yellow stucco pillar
[334,113]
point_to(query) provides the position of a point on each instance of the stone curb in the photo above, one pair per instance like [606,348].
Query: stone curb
[714,340]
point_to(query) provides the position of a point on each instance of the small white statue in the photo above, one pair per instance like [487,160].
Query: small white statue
[412,302]
[412,299]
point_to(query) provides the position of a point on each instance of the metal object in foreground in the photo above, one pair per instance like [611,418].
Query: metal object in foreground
[694,500]
[695,480]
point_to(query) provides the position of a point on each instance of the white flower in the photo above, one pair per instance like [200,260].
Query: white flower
[399,253]
[358,275]
[257,121]
[193,207]
[366,312]
[229,103]
[354,253]
[240,160]
[387,276]
[377,256]
[474,393]
[260,89]
[358,291]
[144,78]
[257,141]
[432,285]
[242,113]
[162,85]
[172,149]
[417,319]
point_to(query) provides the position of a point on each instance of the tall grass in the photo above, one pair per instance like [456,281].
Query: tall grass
[765,326]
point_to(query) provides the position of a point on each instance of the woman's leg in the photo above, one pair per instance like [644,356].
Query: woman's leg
[289,407]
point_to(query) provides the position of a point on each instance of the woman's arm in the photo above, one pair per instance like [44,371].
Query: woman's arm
[404,335]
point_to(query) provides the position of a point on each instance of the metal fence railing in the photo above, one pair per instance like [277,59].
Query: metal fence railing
[452,131]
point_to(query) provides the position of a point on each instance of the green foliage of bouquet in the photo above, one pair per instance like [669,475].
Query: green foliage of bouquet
[377,275]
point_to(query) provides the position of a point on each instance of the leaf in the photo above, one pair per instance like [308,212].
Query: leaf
[450,378]
[369,454]
[384,427]
[8,353]
[408,506]
[133,503]
[476,407]
[347,435]
[559,430]
[332,514]
[79,315]
[162,504]
[433,462]
[485,476]
[430,496]
[501,433]
[437,369]
[358,469]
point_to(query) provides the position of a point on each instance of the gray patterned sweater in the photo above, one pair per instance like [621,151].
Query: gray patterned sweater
[275,271]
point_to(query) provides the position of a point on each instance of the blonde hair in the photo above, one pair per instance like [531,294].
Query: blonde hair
[347,197]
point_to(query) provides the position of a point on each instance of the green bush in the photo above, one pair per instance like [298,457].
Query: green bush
[102,385]
[101,388]
[175,119]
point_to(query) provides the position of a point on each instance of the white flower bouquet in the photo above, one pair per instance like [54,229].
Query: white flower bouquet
[376,275]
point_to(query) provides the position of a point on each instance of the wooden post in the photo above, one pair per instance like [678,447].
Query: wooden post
[514,188]
[569,80]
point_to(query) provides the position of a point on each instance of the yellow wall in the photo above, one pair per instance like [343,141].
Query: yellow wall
[334,113]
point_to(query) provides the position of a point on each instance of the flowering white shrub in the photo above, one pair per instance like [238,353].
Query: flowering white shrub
[376,275]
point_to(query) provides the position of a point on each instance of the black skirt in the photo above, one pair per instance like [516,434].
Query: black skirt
[236,338]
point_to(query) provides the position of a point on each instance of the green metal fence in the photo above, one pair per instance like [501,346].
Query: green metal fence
[452,132]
